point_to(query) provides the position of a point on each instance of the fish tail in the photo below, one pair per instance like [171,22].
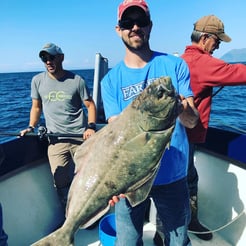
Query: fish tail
[56,238]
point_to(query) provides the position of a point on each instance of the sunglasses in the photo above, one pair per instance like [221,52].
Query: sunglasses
[215,38]
[129,23]
[46,58]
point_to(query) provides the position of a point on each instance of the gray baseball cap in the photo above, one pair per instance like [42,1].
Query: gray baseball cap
[51,49]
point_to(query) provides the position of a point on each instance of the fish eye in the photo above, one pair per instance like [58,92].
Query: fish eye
[160,92]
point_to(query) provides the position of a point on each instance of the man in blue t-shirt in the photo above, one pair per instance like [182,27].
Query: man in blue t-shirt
[120,86]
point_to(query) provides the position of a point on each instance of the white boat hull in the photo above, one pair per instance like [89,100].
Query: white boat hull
[31,208]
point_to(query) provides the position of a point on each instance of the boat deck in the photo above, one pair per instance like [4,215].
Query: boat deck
[32,210]
[91,238]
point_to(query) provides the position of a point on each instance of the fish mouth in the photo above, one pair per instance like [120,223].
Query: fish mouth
[158,131]
[160,124]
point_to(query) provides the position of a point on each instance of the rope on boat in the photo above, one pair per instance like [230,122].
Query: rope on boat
[220,228]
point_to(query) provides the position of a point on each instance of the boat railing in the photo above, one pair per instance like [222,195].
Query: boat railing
[101,68]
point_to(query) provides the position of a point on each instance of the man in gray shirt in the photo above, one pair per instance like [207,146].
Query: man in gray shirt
[60,94]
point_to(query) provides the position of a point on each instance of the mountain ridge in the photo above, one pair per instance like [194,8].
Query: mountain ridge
[235,55]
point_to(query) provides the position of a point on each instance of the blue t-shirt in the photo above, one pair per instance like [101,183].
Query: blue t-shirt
[122,84]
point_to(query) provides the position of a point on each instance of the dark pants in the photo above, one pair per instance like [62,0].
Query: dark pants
[172,204]
[192,172]
[3,235]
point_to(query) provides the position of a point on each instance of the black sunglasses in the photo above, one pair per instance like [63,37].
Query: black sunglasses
[129,23]
[215,38]
[46,58]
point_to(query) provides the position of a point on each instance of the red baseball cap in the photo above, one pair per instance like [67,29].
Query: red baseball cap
[130,3]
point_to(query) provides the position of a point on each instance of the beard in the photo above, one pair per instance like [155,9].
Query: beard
[136,45]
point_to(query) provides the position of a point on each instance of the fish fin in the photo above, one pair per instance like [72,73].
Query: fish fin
[168,145]
[137,142]
[58,237]
[140,191]
[95,218]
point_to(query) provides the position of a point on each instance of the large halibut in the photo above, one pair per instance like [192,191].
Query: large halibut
[122,157]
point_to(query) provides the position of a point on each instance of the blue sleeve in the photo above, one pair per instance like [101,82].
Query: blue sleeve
[109,97]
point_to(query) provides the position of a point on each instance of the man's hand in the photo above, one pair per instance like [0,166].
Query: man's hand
[190,115]
[27,130]
[88,132]
[116,199]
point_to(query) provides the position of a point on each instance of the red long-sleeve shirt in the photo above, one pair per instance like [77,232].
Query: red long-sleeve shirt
[207,72]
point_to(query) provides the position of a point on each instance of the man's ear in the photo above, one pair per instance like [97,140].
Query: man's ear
[118,30]
[151,25]
[204,38]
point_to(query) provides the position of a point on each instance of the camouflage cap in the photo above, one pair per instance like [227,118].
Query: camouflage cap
[212,24]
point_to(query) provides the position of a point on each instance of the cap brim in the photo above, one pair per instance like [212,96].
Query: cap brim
[49,51]
[224,37]
[42,52]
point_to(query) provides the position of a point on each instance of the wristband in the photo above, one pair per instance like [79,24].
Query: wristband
[31,128]
[92,126]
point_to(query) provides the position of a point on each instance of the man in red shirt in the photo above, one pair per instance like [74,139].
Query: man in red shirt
[206,72]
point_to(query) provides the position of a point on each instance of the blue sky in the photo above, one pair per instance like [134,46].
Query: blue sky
[83,28]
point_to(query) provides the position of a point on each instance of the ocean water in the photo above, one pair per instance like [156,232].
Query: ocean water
[228,107]
[15,100]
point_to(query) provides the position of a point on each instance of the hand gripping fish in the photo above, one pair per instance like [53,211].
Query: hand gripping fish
[122,157]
